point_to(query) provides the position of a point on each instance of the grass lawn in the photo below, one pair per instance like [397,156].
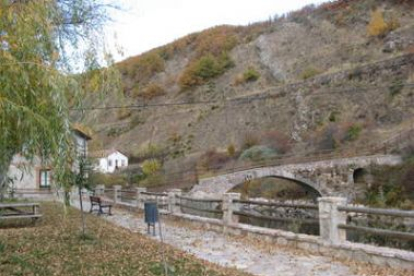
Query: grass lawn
[55,246]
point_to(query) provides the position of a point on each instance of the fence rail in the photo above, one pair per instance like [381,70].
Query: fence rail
[379,232]
[375,231]
[200,199]
[278,204]
[377,211]
[272,218]
[154,194]
[200,209]
[128,191]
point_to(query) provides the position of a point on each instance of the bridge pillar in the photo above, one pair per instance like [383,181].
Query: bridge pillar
[330,218]
[140,197]
[172,201]
[229,206]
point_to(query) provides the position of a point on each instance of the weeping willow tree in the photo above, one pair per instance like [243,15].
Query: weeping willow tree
[42,42]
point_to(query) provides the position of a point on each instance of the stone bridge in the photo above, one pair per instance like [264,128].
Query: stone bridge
[334,177]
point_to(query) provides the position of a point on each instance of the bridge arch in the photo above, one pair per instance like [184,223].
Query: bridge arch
[308,185]
[359,175]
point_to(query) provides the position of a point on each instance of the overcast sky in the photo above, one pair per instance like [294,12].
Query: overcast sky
[146,24]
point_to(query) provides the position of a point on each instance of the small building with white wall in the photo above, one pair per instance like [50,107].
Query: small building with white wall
[108,161]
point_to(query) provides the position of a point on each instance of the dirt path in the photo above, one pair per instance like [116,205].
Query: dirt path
[228,251]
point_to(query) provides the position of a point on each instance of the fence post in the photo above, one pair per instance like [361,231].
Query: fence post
[99,190]
[173,200]
[140,197]
[229,207]
[330,218]
[117,193]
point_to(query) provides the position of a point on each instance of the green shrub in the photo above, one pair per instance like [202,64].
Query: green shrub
[251,75]
[207,67]
[231,150]
[258,153]
[151,166]
[204,69]
[310,72]
[396,87]
[353,132]
[152,90]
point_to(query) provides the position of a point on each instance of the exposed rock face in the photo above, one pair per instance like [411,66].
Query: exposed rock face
[399,40]
[315,73]
[268,58]
[301,119]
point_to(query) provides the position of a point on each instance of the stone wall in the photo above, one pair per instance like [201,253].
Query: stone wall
[24,175]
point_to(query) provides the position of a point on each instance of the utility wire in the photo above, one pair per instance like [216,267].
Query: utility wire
[247,99]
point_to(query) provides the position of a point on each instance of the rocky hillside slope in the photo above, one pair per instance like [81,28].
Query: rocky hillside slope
[330,78]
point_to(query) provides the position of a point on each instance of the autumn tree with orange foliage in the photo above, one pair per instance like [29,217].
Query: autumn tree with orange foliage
[378,27]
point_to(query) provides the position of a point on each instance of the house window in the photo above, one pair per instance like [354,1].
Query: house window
[44,179]
[110,163]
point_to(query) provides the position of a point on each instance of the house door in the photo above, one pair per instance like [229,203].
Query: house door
[116,164]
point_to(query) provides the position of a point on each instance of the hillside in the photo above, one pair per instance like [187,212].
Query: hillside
[333,78]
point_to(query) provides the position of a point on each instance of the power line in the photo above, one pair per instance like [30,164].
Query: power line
[245,99]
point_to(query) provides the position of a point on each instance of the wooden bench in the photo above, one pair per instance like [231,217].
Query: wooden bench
[19,211]
[96,201]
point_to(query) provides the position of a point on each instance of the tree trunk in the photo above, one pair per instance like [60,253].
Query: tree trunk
[66,197]
[4,179]
[3,182]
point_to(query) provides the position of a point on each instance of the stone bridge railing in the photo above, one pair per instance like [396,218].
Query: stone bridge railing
[331,217]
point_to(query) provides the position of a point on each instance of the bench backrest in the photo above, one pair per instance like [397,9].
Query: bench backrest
[96,199]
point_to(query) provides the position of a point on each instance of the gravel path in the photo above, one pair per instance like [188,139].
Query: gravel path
[228,251]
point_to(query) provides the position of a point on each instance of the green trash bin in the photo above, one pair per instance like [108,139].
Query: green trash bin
[151,215]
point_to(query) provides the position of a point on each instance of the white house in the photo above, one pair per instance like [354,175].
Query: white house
[34,176]
[109,161]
